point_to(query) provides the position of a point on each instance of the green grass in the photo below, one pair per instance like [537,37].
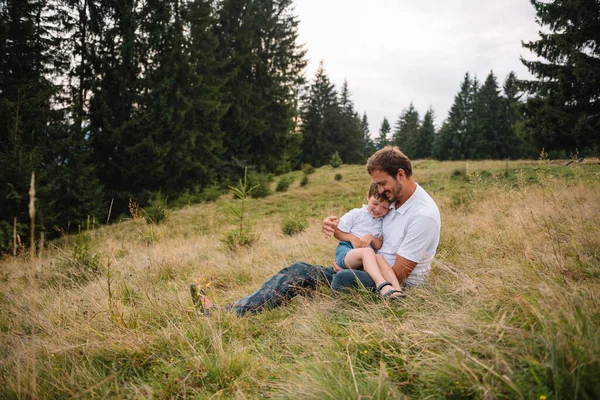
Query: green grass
[512,308]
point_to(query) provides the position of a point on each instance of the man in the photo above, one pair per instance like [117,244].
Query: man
[411,230]
[411,233]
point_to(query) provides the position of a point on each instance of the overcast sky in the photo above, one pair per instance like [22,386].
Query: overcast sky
[393,52]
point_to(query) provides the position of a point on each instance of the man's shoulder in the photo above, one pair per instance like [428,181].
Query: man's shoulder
[424,204]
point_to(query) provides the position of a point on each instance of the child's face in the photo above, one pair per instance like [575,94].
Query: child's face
[377,208]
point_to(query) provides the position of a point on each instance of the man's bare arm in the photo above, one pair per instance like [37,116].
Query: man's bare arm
[403,267]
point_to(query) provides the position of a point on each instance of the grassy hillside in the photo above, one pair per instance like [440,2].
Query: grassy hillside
[512,308]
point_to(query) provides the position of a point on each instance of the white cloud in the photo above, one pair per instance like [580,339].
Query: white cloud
[397,52]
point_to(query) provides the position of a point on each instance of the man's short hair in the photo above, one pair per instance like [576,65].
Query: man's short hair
[374,192]
[389,160]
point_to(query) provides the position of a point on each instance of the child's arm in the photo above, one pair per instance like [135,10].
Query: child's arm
[377,242]
[348,237]
[371,240]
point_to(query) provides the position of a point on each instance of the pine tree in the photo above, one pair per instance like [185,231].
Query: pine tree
[425,136]
[26,111]
[488,114]
[320,114]
[165,103]
[368,144]
[442,142]
[456,138]
[114,116]
[71,191]
[350,142]
[515,147]
[202,121]
[563,112]
[384,133]
[406,131]
[259,39]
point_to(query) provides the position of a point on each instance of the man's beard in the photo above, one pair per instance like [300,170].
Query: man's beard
[394,197]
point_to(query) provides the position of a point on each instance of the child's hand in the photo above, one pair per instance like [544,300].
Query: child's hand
[366,240]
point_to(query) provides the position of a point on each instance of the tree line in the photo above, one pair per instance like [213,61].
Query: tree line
[558,111]
[482,123]
[110,101]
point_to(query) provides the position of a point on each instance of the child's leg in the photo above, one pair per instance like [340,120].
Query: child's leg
[388,273]
[376,266]
[353,259]
[365,258]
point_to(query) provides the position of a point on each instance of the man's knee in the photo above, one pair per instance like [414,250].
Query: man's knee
[345,280]
[296,269]
[301,272]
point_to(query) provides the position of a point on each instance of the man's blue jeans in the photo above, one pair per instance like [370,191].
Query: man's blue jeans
[295,279]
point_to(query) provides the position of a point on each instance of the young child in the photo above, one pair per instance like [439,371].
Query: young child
[360,235]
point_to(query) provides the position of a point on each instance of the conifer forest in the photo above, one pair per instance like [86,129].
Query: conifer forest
[154,101]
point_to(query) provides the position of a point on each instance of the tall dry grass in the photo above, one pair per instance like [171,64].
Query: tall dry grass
[512,308]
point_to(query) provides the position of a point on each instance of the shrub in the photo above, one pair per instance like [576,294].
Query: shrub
[243,235]
[156,211]
[304,181]
[308,169]
[336,160]
[197,195]
[236,238]
[284,167]
[338,177]
[186,198]
[6,236]
[261,184]
[284,183]
[83,265]
[211,193]
[459,172]
[293,225]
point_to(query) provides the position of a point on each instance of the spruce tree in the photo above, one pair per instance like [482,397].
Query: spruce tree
[488,114]
[202,121]
[442,142]
[368,144]
[116,131]
[162,156]
[384,134]
[406,131]
[26,111]
[563,110]
[425,136]
[350,142]
[515,147]
[264,70]
[320,114]
[456,138]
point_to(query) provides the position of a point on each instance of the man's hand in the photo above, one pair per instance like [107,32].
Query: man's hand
[366,240]
[330,223]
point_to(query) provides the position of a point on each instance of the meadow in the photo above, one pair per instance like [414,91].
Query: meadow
[511,309]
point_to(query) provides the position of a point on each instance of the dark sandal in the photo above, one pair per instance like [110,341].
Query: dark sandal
[389,294]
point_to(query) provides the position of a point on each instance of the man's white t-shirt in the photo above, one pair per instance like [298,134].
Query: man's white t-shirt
[359,222]
[413,232]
